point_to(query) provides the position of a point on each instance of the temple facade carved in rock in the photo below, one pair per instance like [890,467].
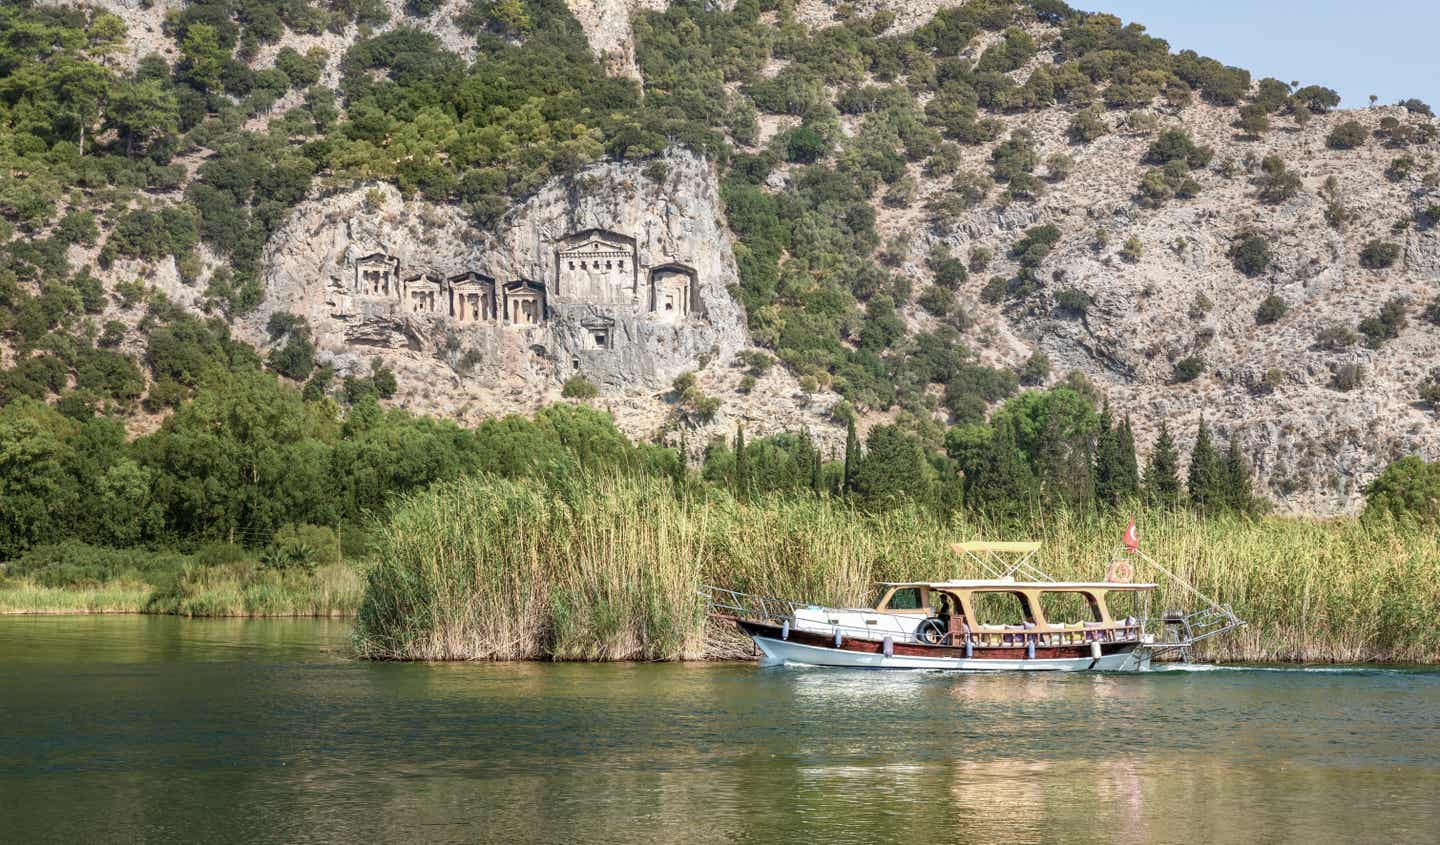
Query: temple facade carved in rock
[596,269]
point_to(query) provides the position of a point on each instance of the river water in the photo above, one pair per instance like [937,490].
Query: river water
[161,729]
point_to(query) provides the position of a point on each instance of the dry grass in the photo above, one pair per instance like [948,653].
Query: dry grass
[607,570]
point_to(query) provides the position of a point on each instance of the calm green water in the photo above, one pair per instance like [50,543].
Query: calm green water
[160,729]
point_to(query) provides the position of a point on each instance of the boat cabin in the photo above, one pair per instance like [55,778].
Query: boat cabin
[1002,610]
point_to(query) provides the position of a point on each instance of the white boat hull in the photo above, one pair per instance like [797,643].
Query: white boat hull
[808,655]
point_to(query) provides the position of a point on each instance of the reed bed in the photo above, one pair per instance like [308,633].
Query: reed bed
[235,590]
[332,590]
[607,569]
[18,597]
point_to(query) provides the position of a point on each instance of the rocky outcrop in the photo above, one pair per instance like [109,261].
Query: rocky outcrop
[1313,446]
[607,28]
[620,275]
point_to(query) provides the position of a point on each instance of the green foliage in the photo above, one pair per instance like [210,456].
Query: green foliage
[1250,253]
[1347,377]
[1036,244]
[1177,145]
[1189,368]
[895,470]
[1346,136]
[1271,309]
[1378,255]
[1277,182]
[1335,337]
[296,358]
[579,387]
[1162,473]
[1408,489]
[1087,125]
[1072,302]
[1387,324]
[1035,370]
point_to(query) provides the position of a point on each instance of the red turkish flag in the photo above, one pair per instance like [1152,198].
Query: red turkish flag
[1132,537]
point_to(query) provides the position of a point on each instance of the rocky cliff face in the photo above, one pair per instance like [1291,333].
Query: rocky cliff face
[619,275]
[1313,446]
[622,274]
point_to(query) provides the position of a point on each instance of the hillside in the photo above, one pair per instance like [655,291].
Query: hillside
[913,210]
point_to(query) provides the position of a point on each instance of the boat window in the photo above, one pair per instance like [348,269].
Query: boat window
[1066,607]
[1123,603]
[905,599]
[1000,608]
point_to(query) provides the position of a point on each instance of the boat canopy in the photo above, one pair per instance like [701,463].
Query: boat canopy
[982,546]
[1011,584]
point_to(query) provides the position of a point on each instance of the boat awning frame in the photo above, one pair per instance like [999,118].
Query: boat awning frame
[1001,560]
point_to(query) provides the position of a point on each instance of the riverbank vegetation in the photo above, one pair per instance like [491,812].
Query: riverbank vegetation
[607,569]
[219,579]
[557,537]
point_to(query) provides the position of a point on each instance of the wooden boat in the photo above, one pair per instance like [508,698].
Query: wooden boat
[959,624]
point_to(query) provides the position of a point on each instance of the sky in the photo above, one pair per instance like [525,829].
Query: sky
[1390,49]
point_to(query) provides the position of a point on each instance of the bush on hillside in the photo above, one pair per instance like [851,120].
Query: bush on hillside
[1346,136]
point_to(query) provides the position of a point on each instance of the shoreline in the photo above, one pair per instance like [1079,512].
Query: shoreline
[338,614]
[1225,660]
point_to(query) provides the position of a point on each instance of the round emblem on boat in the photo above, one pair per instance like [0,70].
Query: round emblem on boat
[1120,572]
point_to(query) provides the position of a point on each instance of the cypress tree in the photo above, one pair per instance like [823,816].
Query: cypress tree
[682,462]
[817,484]
[1206,472]
[1005,486]
[1162,474]
[1237,490]
[1128,485]
[1107,460]
[852,456]
[742,463]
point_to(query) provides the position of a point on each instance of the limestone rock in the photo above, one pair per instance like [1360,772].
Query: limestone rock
[611,275]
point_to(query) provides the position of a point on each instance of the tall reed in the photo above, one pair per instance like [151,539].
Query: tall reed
[607,569]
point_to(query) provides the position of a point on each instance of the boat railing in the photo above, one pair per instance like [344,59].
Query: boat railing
[983,638]
[779,611]
[749,605]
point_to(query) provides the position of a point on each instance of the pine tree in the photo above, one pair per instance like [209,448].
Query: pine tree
[1128,482]
[1206,472]
[742,463]
[1236,477]
[852,457]
[1162,474]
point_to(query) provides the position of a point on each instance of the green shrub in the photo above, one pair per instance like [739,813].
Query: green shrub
[1037,243]
[1270,310]
[1087,125]
[1035,369]
[1073,302]
[1251,254]
[1346,136]
[1189,369]
[579,387]
[1177,145]
[937,300]
[1378,255]
[1347,377]
[1278,183]
[77,564]
[1385,325]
